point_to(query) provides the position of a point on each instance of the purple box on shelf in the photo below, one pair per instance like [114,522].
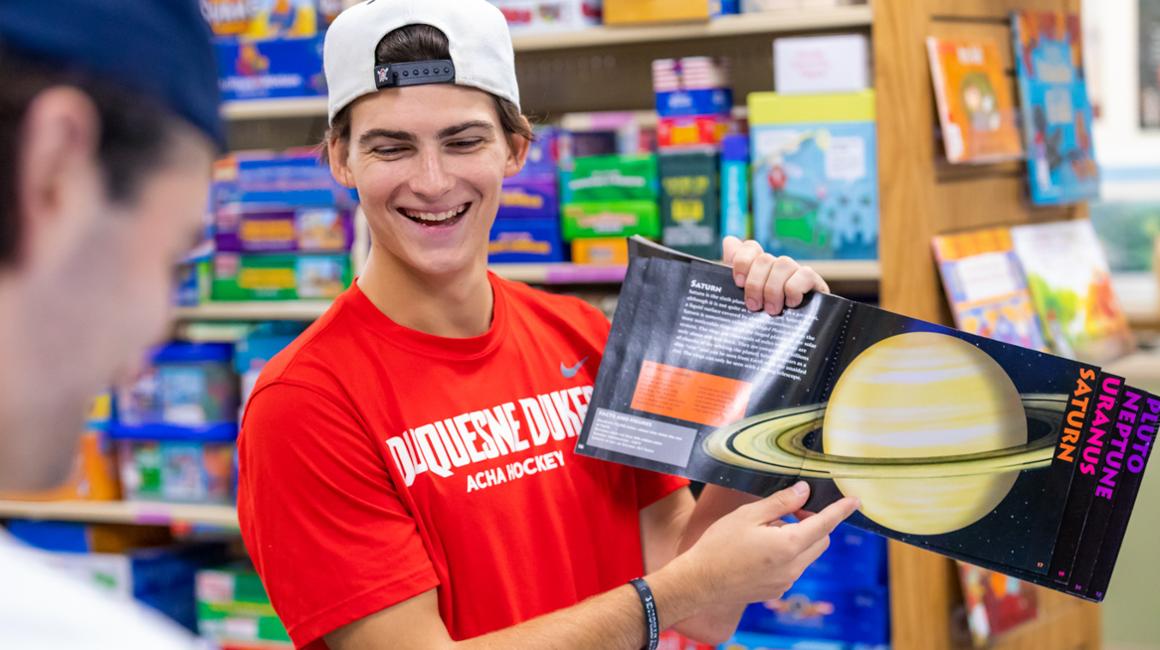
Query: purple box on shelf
[289,67]
[243,228]
[543,153]
[687,103]
[526,240]
[531,197]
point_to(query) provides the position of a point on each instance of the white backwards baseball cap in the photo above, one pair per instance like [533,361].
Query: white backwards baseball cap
[477,35]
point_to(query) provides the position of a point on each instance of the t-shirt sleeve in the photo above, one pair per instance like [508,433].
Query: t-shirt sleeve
[652,486]
[322,520]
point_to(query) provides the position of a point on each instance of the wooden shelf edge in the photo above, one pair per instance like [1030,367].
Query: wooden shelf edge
[122,512]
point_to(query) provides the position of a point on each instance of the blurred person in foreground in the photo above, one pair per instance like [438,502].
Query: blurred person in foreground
[108,129]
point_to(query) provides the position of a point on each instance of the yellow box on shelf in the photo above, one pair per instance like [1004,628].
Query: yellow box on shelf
[635,12]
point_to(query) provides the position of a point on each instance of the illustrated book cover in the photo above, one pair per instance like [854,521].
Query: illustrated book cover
[955,443]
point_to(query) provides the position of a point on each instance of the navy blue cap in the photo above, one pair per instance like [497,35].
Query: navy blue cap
[158,48]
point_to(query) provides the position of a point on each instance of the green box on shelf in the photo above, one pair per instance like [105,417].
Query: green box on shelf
[612,219]
[689,203]
[611,178]
[279,277]
[233,607]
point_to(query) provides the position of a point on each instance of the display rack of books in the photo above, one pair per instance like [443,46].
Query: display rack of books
[949,198]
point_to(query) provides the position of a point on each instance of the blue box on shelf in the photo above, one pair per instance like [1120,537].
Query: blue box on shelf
[526,240]
[856,558]
[824,610]
[687,103]
[266,69]
[753,641]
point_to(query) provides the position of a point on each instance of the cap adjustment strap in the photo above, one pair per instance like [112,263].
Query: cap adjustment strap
[414,73]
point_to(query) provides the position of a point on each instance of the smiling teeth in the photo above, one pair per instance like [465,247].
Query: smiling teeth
[435,216]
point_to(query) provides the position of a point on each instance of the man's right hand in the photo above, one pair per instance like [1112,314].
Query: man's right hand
[750,555]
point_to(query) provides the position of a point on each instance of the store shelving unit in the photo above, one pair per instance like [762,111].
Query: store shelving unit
[122,512]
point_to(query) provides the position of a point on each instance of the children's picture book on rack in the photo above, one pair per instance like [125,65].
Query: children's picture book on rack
[1071,286]
[995,603]
[1057,116]
[986,289]
[974,102]
[955,443]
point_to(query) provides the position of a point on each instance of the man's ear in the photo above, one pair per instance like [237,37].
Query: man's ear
[60,182]
[518,147]
[337,152]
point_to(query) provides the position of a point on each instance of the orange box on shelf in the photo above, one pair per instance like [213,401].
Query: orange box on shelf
[601,250]
[93,476]
[634,12]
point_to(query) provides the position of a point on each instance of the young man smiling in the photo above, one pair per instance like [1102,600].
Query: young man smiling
[378,497]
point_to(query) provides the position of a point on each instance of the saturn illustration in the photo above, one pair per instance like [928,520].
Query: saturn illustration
[925,428]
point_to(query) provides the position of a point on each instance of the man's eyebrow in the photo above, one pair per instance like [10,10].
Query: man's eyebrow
[372,134]
[460,128]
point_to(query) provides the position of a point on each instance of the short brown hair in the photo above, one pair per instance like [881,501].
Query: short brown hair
[135,135]
[421,43]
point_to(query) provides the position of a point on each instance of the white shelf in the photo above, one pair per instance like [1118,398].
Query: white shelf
[560,273]
[770,22]
[296,310]
[256,109]
[122,512]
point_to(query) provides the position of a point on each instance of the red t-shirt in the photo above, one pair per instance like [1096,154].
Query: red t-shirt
[378,462]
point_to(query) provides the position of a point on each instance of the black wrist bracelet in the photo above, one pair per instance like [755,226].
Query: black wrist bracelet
[650,612]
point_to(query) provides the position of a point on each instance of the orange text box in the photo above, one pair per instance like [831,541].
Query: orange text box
[690,395]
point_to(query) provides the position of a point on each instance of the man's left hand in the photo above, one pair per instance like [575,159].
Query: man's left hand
[771,283]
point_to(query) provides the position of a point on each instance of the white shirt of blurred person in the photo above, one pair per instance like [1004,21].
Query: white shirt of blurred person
[108,129]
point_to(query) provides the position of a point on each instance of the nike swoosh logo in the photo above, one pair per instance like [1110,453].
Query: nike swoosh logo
[571,372]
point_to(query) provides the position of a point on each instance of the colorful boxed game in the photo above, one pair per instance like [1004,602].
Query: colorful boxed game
[254,350]
[186,384]
[525,240]
[1057,116]
[735,217]
[692,131]
[243,228]
[986,289]
[824,610]
[280,277]
[159,577]
[262,19]
[289,67]
[233,608]
[177,464]
[690,221]
[755,641]
[605,251]
[611,178]
[537,16]
[529,197]
[974,104]
[612,219]
[815,175]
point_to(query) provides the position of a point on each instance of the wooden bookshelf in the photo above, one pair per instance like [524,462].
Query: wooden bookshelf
[921,197]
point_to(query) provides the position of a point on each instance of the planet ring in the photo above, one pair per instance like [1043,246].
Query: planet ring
[774,442]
